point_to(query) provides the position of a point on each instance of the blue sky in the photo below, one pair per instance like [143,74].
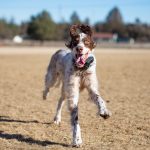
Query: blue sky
[95,10]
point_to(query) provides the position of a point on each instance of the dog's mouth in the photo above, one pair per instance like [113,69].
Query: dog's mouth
[81,60]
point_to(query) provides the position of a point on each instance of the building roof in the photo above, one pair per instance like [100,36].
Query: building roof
[102,35]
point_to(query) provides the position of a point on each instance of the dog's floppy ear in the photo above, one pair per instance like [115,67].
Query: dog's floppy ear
[86,29]
[93,44]
[73,30]
[73,33]
[68,44]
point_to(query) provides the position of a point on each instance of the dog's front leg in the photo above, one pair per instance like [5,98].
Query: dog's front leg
[77,141]
[103,111]
[92,87]
[57,118]
[72,98]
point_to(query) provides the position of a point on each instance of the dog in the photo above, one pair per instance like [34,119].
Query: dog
[76,69]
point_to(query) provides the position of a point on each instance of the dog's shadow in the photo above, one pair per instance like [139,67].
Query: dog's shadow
[22,138]
[8,119]
[29,140]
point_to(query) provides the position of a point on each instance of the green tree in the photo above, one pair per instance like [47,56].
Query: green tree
[74,19]
[62,31]
[114,16]
[87,21]
[23,28]
[8,29]
[114,23]
[42,27]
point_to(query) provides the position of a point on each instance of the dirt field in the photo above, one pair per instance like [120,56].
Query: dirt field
[26,120]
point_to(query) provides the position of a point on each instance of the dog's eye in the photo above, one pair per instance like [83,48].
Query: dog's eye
[75,42]
[86,42]
[77,39]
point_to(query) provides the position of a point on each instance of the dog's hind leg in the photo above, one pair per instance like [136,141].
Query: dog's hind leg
[50,80]
[51,76]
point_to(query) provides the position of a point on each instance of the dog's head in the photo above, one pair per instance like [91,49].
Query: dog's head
[81,43]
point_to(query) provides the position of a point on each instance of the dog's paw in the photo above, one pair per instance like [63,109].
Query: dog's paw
[77,143]
[45,95]
[105,114]
[57,120]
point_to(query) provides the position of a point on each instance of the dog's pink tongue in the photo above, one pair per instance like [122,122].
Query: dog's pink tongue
[80,62]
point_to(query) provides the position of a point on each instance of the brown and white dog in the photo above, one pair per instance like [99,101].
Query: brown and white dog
[76,68]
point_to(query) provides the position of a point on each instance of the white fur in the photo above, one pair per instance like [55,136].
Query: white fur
[81,44]
[77,141]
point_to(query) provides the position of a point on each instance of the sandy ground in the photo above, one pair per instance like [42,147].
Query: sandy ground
[26,121]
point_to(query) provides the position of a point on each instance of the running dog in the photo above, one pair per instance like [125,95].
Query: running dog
[76,69]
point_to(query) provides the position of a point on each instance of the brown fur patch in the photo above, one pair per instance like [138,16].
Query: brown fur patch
[88,41]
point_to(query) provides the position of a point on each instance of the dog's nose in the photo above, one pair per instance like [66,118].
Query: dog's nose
[79,49]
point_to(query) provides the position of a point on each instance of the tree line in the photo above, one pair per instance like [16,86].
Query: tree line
[42,27]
